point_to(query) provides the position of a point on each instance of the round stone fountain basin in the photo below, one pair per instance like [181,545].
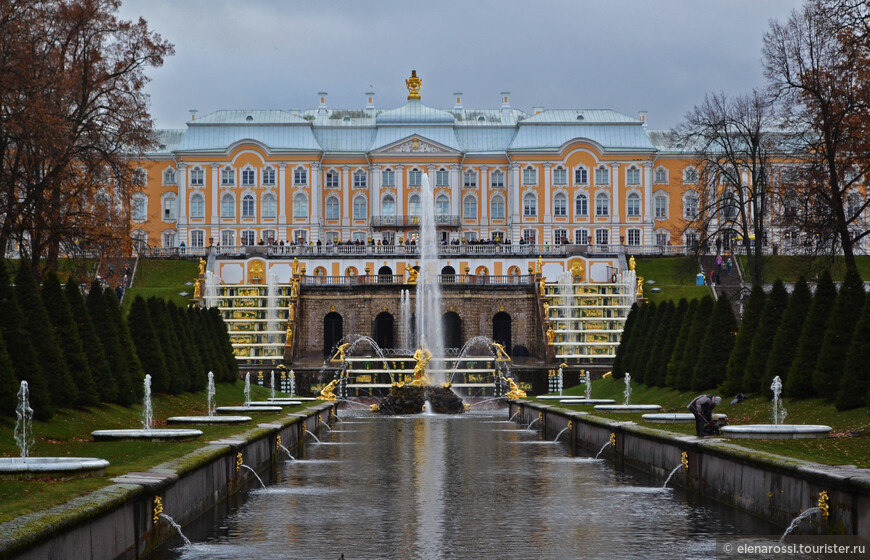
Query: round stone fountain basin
[248,409]
[147,435]
[279,399]
[275,403]
[208,419]
[587,401]
[626,407]
[776,431]
[675,417]
[12,468]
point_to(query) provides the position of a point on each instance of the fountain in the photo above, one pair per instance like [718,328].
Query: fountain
[627,406]
[777,430]
[147,432]
[27,467]
[258,407]
[576,400]
[211,418]
[175,526]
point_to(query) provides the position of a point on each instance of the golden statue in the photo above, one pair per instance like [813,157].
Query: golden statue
[295,267]
[500,353]
[546,310]
[257,271]
[539,266]
[515,392]
[201,266]
[640,287]
[374,407]
[422,355]
[412,275]
[577,269]
[631,262]
[288,340]
[413,84]
[294,288]
[197,289]
[339,353]
[551,335]
[543,286]
[326,393]
[291,312]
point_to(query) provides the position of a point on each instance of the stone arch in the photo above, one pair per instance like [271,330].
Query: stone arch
[451,325]
[385,330]
[333,331]
[501,330]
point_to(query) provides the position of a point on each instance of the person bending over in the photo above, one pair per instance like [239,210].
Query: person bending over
[702,407]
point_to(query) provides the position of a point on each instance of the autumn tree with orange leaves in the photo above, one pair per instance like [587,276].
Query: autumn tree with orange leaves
[73,115]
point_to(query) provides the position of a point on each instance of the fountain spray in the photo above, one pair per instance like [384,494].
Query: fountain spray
[211,391]
[24,421]
[146,401]
[248,388]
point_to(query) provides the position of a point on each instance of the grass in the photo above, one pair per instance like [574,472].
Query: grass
[848,445]
[790,268]
[165,279]
[68,434]
[674,276]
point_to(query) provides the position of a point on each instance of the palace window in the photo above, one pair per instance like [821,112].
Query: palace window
[228,238]
[581,236]
[581,205]
[360,180]
[602,205]
[529,236]
[140,177]
[661,176]
[248,206]
[853,206]
[634,237]
[249,237]
[560,205]
[269,206]
[530,205]
[691,237]
[140,207]
[602,236]
[248,177]
[228,176]
[331,208]
[197,238]
[496,208]
[300,206]
[632,176]
[530,176]
[469,208]
[169,176]
[197,177]
[332,179]
[197,206]
[300,176]
[442,178]
[496,180]
[581,176]
[168,239]
[602,175]
[414,205]
[388,206]
[691,175]
[268,235]
[169,208]
[269,176]
[389,178]
[560,176]
[661,207]
[228,206]
[690,205]
[662,237]
[359,208]
[469,179]
[560,237]
[632,206]
[415,178]
[442,206]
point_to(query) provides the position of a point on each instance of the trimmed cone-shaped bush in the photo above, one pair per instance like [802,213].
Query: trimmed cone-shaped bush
[854,384]
[654,365]
[676,357]
[178,376]
[641,363]
[673,332]
[831,362]
[131,379]
[716,348]
[61,317]
[206,343]
[620,359]
[64,392]
[700,321]
[147,344]
[799,383]
[784,348]
[105,328]
[196,372]
[225,348]
[8,383]
[104,381]
[743,343]
[754,378]
[641,330]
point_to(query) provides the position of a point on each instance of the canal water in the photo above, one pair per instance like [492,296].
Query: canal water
[456,487]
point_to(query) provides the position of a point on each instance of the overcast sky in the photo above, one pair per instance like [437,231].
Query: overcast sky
[626,55]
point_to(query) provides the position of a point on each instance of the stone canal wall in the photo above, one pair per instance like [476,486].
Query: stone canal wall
[118,521]
[771,486]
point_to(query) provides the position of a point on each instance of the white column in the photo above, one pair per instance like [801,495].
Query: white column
[515,202]
[455,190]
[181,223]
[614,215]
[648,211]
[282,197]
[345,196]
[374,188]
[400,190]
[315,194]
[548,195]
[215,202]
[484,196]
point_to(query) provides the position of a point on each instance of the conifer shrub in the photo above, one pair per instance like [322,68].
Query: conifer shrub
[721,332]
[784,348]
[754,378]
[620,359]
[8,383]
[104,380]
[147,344]
[700,322]
[854,384]
[831,362]
[742,345]
[676,324]
[799,383]
[676,357]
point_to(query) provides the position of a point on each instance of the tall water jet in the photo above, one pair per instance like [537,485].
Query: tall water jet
[405,319]
[211,282]
[627,388]
[211,392]
[779,412]
[272,307]
[272,382]
[247,388]
[428,304]
[588,384]
[292,382]
[147,413]
[23,421]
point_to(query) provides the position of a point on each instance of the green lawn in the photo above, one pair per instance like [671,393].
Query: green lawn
[674,276]
[165,279]
[68,434]
[789,268]
[849,444]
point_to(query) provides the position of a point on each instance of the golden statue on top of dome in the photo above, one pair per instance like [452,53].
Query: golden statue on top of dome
[413,84]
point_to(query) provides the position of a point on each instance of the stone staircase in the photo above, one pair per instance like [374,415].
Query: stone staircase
[732,284]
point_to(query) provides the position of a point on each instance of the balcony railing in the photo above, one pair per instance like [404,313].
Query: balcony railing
[393,279]
[412,221]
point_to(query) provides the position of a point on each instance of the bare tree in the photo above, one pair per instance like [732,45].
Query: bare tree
[819,74]
[73,114]
[734,139]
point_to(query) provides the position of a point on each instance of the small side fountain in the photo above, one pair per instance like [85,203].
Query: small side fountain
[627,406]
[257,407]
[27,467]
[777,430]
[147,432]
[211,418]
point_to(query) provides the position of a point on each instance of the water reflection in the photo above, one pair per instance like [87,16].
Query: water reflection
[443,488]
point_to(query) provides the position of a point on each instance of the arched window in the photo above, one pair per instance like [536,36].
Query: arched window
[248,206]
[249,177]
[442,205]
[442,178]
[414,205]
[169,176]
[228,206]
[690,175]
[560,205]
[228,176]
[690,205]
[530,176]
[469,179]
[632,176]
[359,208]
[415,178]
[581,205]
[496,208]
[560,176]
[388,178]
[388,206]
[269,175]
[300,176]
[581,176]
[530,205]
[332,208]
[497,180]
[197,206]
[602,205]
[469,208]
[360,179]
[661,176]
[602,175]
[270,206]
[300,206]
[632,206]
[197,177]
